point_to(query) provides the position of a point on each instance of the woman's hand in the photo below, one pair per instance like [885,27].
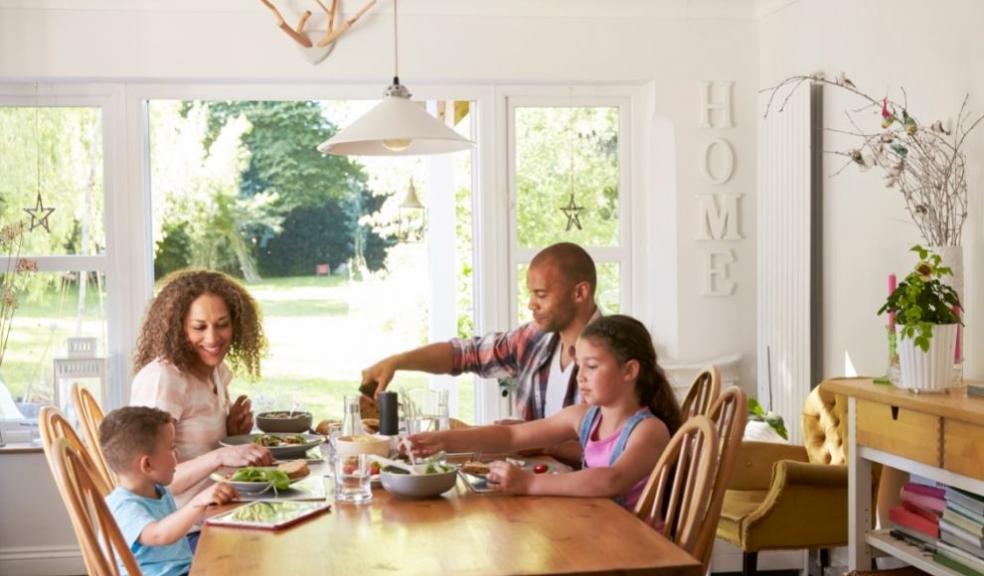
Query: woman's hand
[505,477]
[244,455]
[240,418]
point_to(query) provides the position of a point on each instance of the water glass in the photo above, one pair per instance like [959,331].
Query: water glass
[353,479]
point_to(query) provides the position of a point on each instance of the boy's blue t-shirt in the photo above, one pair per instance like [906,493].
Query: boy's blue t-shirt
[133,513]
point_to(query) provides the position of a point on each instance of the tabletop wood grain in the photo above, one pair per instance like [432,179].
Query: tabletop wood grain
[459,533]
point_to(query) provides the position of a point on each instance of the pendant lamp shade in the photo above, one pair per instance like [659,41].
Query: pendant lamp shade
[395,127]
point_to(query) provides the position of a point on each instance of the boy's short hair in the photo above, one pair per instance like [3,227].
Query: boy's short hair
[130,432]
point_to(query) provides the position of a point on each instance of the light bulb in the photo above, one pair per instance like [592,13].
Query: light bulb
[397,144]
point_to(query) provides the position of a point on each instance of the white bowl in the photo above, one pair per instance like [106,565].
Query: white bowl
[355,445]
[419,485]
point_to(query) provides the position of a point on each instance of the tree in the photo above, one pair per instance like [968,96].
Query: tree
[282,142]
[200,188]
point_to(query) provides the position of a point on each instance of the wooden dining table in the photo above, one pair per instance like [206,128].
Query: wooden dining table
[461,532]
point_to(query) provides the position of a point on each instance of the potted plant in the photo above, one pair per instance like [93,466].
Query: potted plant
[926,323]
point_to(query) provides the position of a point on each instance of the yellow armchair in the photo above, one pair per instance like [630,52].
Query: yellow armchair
[790,497]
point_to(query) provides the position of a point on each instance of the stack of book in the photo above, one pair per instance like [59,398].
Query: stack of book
[961,545]
[917,520]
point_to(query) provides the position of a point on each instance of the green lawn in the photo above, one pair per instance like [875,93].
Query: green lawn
[322,332]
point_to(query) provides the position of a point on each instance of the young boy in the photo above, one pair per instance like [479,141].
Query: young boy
[138,443]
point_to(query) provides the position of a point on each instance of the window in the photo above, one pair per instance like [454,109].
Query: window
[53,148]
[569,183]
[320,242]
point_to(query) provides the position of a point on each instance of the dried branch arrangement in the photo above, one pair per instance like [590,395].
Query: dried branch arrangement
[924,161]
[331,34]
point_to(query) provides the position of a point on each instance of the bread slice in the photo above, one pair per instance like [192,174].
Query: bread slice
[475,468]
[294,468]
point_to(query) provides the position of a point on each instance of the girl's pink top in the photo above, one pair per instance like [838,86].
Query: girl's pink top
[598,454]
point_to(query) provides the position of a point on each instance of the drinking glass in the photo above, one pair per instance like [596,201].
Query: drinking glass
[353,479]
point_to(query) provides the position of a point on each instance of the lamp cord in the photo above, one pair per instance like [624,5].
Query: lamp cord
[396,42]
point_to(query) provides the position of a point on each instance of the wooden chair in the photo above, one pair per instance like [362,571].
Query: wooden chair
[91,518]
[703,392]
[90,416]
[729,414]
[675,497]
[54,426]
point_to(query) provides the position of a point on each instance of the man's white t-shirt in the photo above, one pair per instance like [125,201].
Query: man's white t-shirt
[557,385]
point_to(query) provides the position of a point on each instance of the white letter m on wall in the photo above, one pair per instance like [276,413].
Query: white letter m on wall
[718,221]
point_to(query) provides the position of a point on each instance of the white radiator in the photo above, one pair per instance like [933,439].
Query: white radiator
[788,252]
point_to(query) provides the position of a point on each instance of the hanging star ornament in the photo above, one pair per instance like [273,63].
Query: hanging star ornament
[39,215]
[572,211]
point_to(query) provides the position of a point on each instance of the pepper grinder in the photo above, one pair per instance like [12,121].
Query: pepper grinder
[389,413]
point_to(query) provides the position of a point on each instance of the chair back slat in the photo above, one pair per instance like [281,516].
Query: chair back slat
[703,392]
[90,417]
[677,508]
[729,415]
[54,425]
[99,536]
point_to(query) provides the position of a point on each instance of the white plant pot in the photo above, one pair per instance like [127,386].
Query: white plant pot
[928,371]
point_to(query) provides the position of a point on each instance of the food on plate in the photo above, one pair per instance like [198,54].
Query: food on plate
[278,478]
[294,469]
[375,468]
[540,468]
[437,468]
[273,440]
[285,414]
[475,468]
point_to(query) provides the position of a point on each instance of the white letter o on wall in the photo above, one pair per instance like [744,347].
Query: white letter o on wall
[728,160]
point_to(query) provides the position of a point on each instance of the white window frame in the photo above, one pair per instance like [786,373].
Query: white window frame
[484,247]
[128,260]
[109,99]
[631,101]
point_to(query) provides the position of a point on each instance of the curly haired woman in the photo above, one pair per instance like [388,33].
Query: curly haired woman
[199,320]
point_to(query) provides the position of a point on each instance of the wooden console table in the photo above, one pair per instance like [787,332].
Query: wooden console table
[937,436]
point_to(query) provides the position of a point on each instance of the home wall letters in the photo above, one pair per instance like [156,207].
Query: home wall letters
[717,212]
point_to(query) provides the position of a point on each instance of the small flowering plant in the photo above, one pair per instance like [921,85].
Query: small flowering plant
[10,244]
[922,299]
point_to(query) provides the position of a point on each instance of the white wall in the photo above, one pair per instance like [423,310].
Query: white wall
[932,49]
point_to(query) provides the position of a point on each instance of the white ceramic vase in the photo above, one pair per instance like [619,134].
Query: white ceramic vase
[928,371]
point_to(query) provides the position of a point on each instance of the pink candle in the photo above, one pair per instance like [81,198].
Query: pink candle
[892,285]
[957,353]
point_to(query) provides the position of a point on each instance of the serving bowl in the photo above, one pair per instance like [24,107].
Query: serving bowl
[282,446]
[365,444]
[284,421]
[418,485]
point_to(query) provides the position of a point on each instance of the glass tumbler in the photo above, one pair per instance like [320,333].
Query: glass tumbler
[353,478]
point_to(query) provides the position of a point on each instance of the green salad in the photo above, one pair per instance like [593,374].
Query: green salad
[278,478]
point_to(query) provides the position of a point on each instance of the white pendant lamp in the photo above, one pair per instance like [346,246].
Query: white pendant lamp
[396,126]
